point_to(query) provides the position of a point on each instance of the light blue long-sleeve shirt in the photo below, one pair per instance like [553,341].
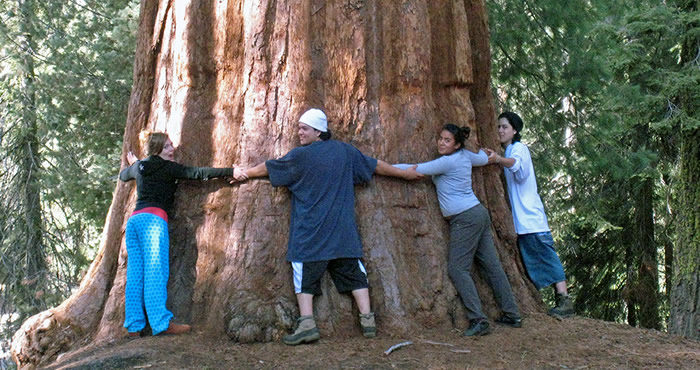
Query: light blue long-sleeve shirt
[452,175]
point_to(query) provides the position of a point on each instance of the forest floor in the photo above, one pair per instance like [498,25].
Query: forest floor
[543,342]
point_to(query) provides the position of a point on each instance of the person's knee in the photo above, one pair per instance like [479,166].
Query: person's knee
[494,272]
[454,270]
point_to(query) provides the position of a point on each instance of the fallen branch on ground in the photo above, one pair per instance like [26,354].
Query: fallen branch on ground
[397,346]
[446,344]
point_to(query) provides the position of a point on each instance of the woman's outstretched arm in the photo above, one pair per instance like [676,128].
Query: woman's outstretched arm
[386,169]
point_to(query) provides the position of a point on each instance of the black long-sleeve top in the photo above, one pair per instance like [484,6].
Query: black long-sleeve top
[156,180]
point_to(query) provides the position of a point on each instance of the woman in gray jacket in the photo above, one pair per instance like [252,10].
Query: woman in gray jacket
[470,228]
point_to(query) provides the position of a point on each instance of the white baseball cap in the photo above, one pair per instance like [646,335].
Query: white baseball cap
[315,118]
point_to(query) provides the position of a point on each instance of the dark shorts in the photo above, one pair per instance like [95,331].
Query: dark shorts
[348,274]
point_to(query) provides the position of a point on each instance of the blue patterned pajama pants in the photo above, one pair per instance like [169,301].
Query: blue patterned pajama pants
[147,271]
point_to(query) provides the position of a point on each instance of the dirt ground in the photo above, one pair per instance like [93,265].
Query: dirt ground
[542,342]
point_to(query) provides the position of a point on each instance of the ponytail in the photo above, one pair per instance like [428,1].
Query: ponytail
[461,134]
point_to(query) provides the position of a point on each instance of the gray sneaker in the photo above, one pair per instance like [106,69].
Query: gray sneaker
[564,307]
[369,328]
[306,332]
[477,327]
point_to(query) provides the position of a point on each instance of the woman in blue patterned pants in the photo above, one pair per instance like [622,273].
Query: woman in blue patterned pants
[147,240]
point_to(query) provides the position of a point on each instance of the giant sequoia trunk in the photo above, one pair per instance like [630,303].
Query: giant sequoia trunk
[227,80]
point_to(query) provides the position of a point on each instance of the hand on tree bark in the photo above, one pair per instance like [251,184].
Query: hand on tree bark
[131,158]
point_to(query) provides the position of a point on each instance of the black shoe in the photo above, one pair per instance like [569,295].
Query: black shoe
[515,322]
[564,308]
[477,328]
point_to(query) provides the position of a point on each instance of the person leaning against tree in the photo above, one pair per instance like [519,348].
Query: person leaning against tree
[534,236]
[323,236]
[147,239]
[470,228]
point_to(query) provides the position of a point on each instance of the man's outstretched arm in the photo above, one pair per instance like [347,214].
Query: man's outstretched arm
[248,173]
[257,171]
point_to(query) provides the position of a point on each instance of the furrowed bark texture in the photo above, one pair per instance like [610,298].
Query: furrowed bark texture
[685,292]
[227,80]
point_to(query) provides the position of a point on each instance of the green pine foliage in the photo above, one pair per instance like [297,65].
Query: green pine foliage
[82,56]
[597,86]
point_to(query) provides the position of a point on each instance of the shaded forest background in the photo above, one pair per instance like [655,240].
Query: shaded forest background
[608,94]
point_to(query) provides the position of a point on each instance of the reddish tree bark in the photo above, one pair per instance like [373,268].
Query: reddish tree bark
[227,80]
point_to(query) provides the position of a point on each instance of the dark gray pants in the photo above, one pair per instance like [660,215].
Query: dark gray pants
[470,237]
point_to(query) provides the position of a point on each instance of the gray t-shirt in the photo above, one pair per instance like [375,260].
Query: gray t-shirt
[452,175]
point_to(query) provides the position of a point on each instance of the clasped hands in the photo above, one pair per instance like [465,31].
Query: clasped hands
[239,174]
[411,173]
[493,156]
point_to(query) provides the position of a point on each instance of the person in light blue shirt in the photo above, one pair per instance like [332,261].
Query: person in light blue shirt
[470,228]
[534,237]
